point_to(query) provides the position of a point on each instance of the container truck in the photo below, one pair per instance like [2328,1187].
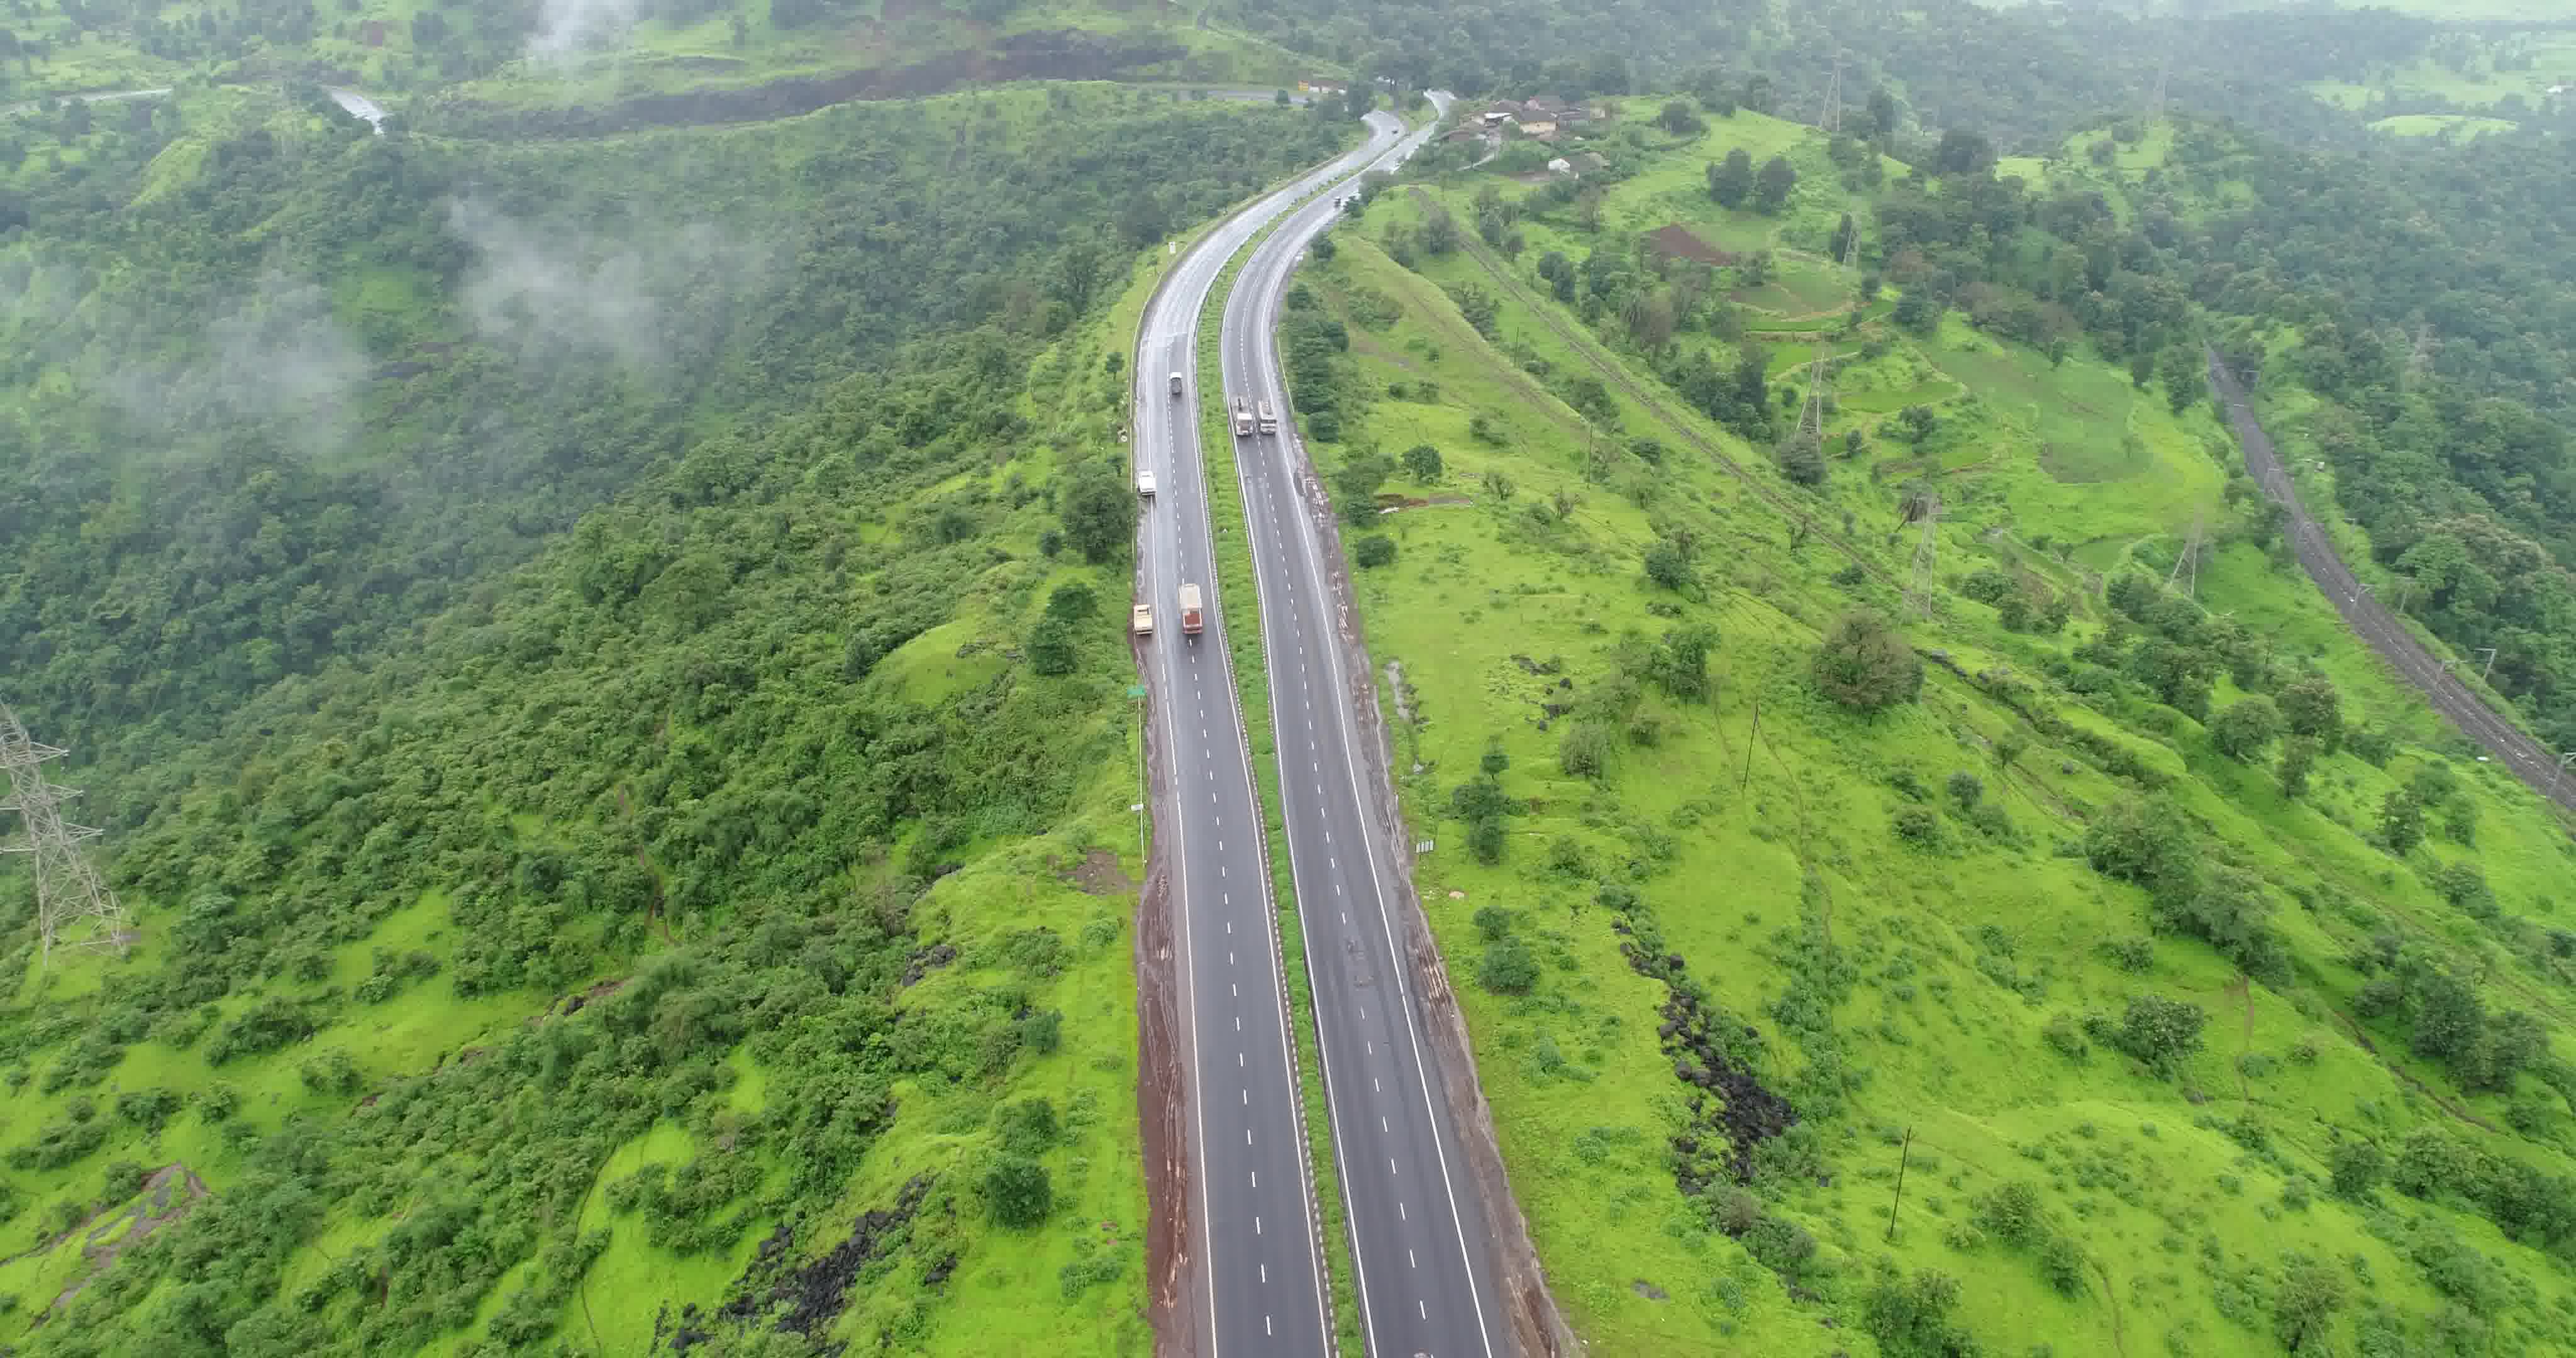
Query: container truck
[1145,482]
[1269,419]
[1191,618]
[1242,419]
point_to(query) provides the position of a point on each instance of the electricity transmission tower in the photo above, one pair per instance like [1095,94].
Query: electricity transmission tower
[2156,100]
[1832,122]
[69,894]
[2186,567]
[2421,357]
[1927,507]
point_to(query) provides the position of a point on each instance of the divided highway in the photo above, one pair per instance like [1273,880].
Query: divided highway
[1428,1278]
[1253,1228]
[2371,620]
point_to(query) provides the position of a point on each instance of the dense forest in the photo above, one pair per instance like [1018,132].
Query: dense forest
[275,415]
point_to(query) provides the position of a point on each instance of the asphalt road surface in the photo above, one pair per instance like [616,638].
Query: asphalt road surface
[1254,1228]
[2365,615]
[1427,1273]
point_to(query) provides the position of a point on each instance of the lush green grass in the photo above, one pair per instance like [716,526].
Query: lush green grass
[1759,852]
[2439,124]
[2477,81]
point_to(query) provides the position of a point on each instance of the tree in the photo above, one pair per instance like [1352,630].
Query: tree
[2401,821]
[1073,601]
[2357,1167]
[1730,182]
[2246,727]
[1963,152]
[1771,188]
[2179,369]
[2311,707]
[1864,665]
[1802,459]
[1373,551]
[1422,463]
[1050,646]
[1356,485]
[1018,1192]
[1680,119]
[2298,756]
[1099,517]
[1667,566]
[1495,759]
[1912,1319]
[2160,1032]
[2303,1309]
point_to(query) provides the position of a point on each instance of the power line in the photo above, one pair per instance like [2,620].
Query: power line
[73,907]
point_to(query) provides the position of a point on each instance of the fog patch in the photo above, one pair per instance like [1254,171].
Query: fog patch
[650,294]
[276,357]
[567,28]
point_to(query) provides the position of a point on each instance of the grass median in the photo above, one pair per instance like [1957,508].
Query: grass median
[1236,586]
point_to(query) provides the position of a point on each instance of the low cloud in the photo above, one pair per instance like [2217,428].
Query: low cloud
[275,355]
[637,296]
[566,28]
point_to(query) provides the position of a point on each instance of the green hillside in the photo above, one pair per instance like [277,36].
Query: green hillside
[602,669]
[2187,1032]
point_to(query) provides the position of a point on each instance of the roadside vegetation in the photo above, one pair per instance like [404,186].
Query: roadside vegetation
[1979,796]
[619,753]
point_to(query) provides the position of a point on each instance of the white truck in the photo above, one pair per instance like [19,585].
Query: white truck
[1145,482]
[1144,624]
[1242,419]
[1269,419]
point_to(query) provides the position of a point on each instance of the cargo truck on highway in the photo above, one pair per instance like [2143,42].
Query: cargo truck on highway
[1144,623]
[1242,419]
[1191,619]
[1145,482]
[1176,384]
[1269,419]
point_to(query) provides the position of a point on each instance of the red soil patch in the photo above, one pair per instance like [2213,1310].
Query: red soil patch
[1676,240]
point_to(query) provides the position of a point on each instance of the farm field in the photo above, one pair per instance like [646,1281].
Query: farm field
[1904,914]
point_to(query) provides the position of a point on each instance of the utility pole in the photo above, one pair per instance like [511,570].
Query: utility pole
[68,891]
[1904,1157]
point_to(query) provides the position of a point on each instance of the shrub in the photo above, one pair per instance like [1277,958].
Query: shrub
[1027,1127]
[1586,750]
[1042,1032]
[1917,826]
[2160,1032]
[2010,1212]
[1966,788]
[1017,1192]
[2061,1266]
[1509,967]
[2063,1034]
[1866,666]
[1373,551]
[1493,922]
[1485,839]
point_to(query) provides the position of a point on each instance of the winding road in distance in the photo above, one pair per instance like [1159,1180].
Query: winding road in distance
[1428,1277]
[2374,623]
[1254,1232]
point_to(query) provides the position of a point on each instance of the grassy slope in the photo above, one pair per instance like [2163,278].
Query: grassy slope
[2553,63]
[1747,846]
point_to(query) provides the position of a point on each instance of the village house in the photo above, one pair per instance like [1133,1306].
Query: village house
[1543,131]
